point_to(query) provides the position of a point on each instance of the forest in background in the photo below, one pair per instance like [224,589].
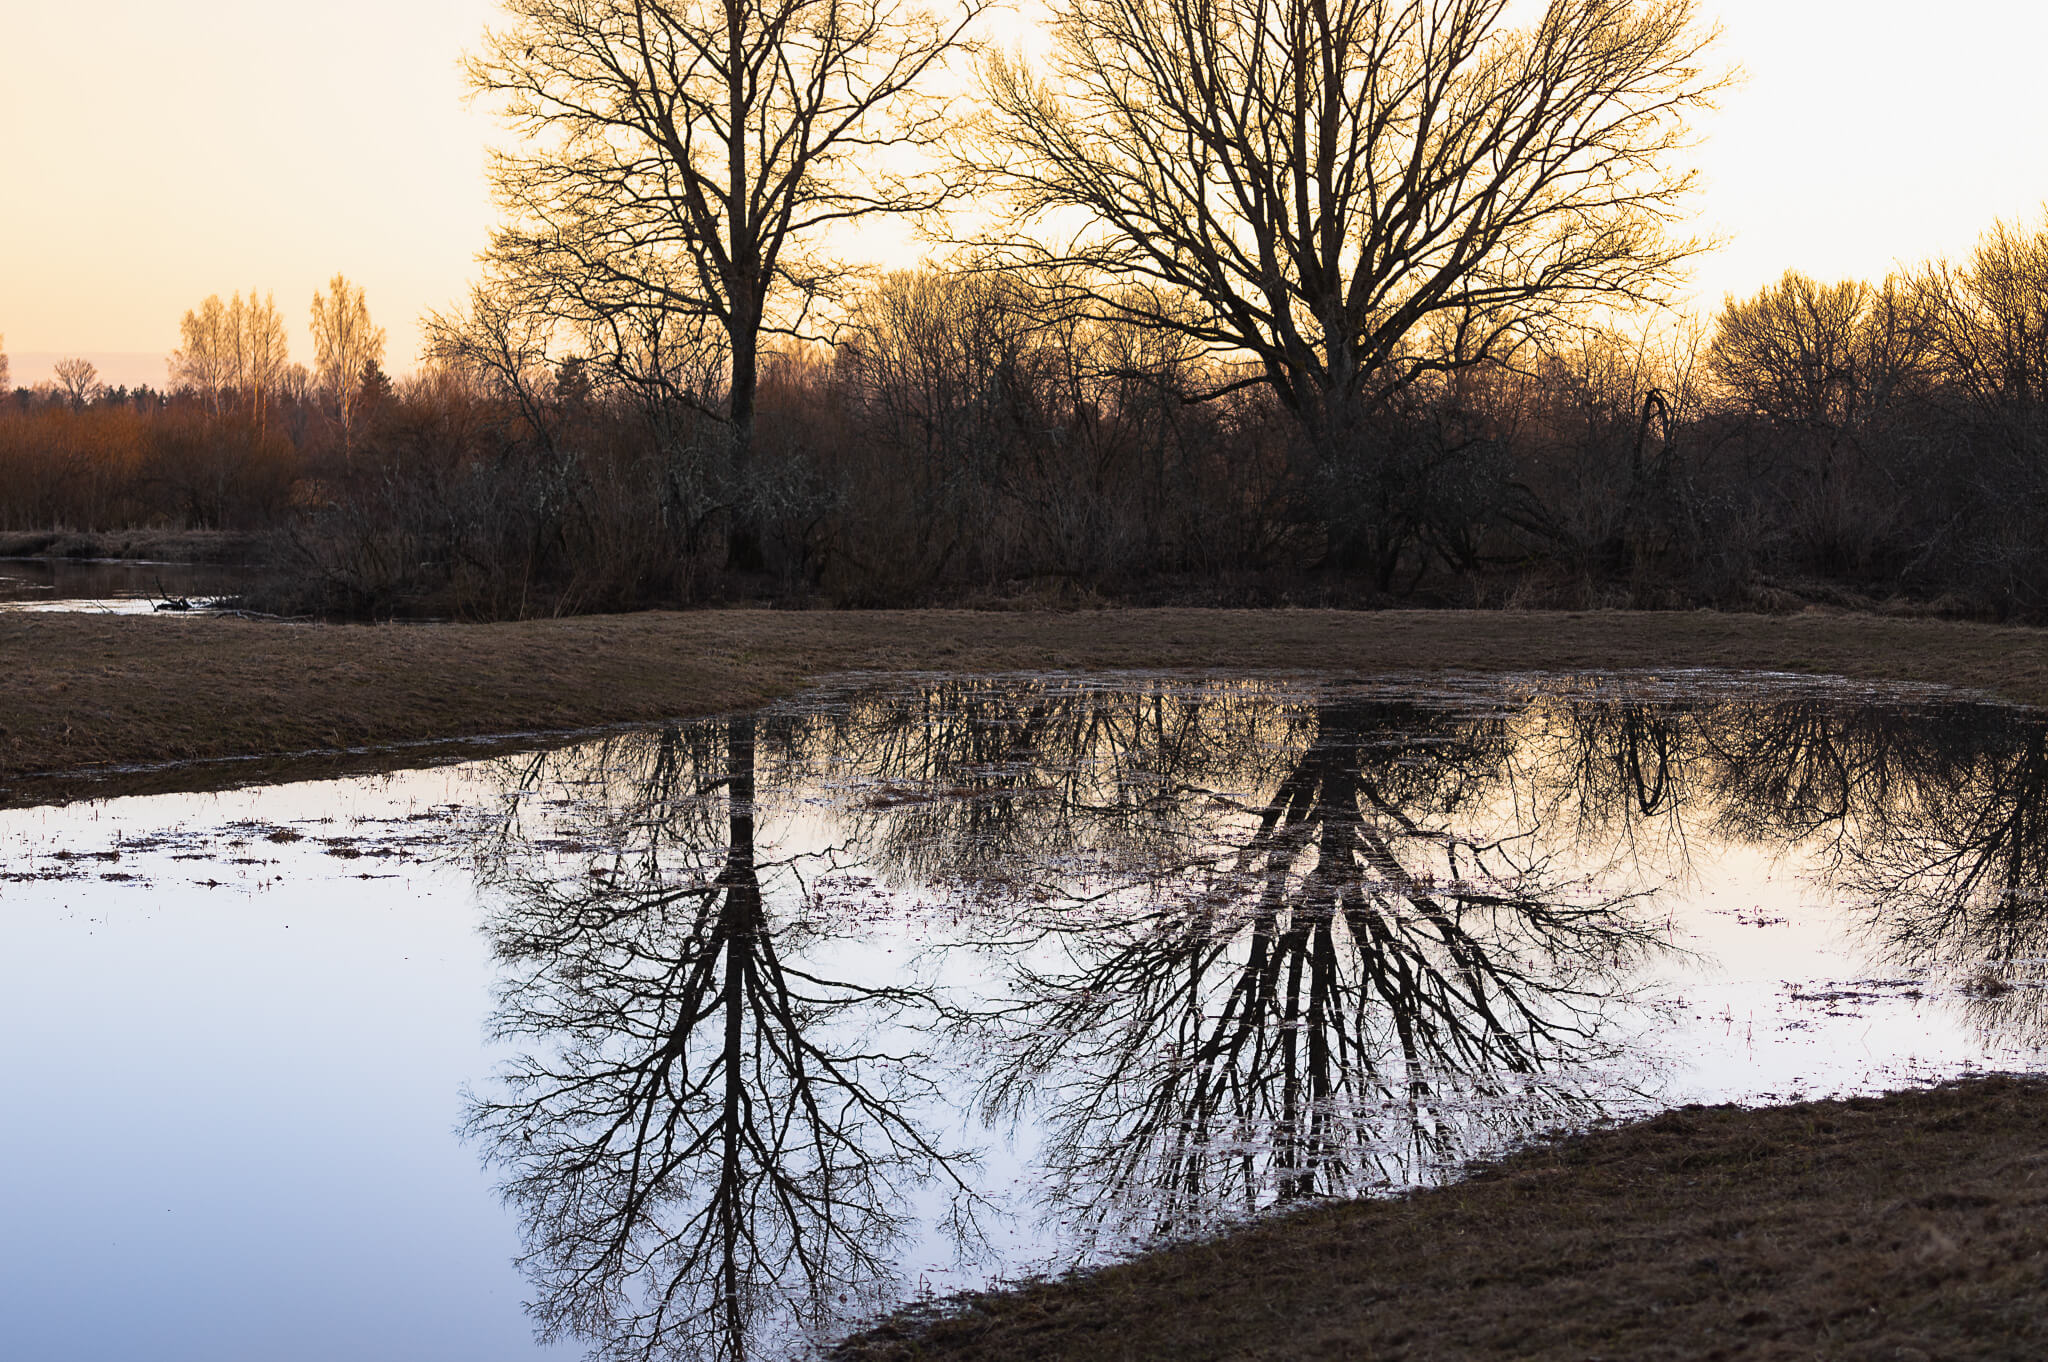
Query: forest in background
[1878,444]
[1276,301]
[1863,444]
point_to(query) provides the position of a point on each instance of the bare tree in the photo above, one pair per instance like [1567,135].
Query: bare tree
[5,382]
[233,352]
[684,156]
[1818,355]
[79,381]
[1351,193]
[1988,317]
[1826,367]
[345,344]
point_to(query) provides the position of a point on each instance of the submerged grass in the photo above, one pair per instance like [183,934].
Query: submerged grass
[94,692]
[1909,1227]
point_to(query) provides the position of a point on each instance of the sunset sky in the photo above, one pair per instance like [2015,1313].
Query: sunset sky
[155,154]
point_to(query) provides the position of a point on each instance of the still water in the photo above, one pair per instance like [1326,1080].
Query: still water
[714,1038]
[109,586]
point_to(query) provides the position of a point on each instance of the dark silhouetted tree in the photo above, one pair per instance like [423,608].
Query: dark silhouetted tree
[684,158]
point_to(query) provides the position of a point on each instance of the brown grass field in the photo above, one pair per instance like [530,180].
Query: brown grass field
[1883,1230]
[255,700]
[1911,1227]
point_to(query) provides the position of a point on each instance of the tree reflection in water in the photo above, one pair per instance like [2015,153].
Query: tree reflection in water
[1929,819]
[1325,990]
[708,1139]
[1952,868]
[1225,945]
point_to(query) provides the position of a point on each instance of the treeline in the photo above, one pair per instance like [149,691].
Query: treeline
[119,459]
[237,430]
[978,435]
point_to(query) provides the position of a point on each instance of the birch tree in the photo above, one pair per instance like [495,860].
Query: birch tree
[263,355]
[233,354]
[345,345]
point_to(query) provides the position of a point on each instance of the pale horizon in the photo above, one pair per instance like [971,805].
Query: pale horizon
[250,147]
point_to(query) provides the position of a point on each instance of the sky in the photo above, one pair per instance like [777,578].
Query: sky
[153,154]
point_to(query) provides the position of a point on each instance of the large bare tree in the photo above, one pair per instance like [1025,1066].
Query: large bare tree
[685,155]
[1351,193]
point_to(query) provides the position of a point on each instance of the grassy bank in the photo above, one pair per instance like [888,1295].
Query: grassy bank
[89,692]
[157,546]
[1910,1227]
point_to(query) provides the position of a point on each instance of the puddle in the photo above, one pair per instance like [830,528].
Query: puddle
[732,1033]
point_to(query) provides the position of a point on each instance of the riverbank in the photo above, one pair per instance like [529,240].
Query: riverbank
[1904,1228]
[155,546]
[85,693]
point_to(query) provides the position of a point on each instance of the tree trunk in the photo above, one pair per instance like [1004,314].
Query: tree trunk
[743,544]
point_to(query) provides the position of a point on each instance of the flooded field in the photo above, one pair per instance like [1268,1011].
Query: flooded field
[111,586]
[712,1039]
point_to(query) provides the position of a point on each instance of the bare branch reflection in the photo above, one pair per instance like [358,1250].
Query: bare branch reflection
[1954,870]
[1930,819]
[1220,945]
[1251,956]
[965,781]
[708,1134]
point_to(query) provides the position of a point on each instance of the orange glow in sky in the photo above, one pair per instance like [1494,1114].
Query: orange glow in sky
[155,154]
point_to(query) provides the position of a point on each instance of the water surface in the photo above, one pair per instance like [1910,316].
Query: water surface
[111,586]
[708,1039]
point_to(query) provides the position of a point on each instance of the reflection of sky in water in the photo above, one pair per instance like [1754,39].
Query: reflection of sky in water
[110,587]
[231,1088]
[242,1025]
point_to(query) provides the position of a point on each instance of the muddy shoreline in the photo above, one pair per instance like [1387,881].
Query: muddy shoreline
[255,700]
[1897,1228]
[213,547]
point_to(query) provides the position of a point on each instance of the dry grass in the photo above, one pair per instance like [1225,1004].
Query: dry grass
[94,692]
[1911,1227]
[164,546]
